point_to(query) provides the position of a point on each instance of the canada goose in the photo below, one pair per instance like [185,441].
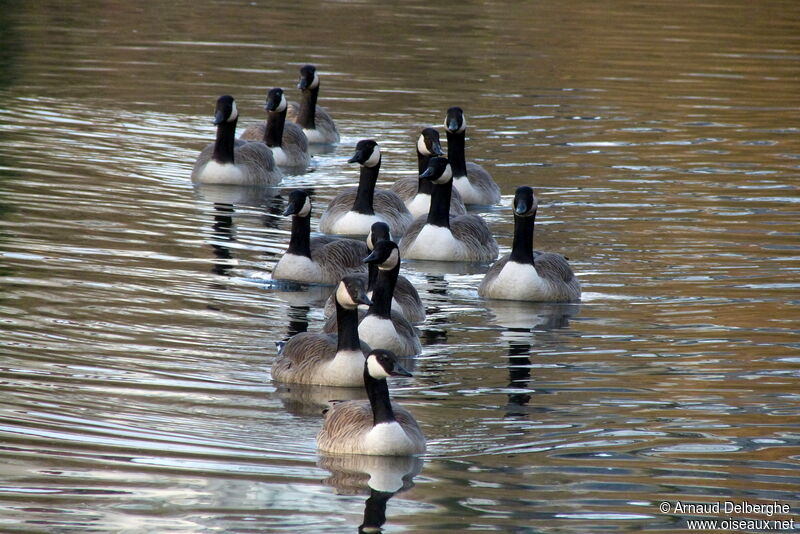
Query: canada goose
[353,211]
[442,237]
[286,139]
[232,161]
[379,327]
[315,120]
[328,359]
[526,274]
[376,426]
[406,298]
[415,191]
[321,260]
[386,330]
[470,179]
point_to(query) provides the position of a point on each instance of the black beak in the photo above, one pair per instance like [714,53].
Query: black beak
[362,298]
[452,125]
[436,149]
[358,157]
[219,117]
[302,84]
[428,173]
[399,370]
[373,257]
[521,208]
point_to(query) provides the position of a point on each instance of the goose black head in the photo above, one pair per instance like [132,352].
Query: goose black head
[438,171]
[226,110]
[455,120]
[276,100]
[379,231]
[309,79]
[367,153]
[299,204]
[385,254]
[525,202]
[428,143]
[383,363]
[352,291]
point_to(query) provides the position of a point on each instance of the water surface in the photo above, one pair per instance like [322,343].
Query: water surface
[139,319]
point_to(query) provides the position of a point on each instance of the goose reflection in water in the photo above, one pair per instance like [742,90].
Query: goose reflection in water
[226,201]
[524,324]
[381,477]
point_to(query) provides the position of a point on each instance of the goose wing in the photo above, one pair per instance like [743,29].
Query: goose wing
[302,353]
[476,236]
[492,273]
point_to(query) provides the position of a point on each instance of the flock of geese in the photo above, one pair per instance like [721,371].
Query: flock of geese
[373,309]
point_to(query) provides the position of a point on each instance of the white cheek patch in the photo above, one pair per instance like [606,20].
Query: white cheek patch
[370,243]
[315,81]
[282,105]
[306,209]
[374,158]
[422,147]
[234,112]
[463,124]
[344,298]
[375,369]
[446,176]
[391,262]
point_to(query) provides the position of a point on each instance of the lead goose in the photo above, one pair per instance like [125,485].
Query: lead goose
[442,237]
[415,191]
[525,274]
[376,426]
[380,327]
[286,139]
[353,211]
[472,181]
[231,161]
[405,300]
[328,359]
[321,260]
[317,124]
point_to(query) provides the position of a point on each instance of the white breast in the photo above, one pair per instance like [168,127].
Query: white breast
[436,243]
[380,333]
[468,193]
[298,268]
[388,439]
[352,223]
[345,370]
[221,173]
[281,157]
[518,281]
[316,136]
[419,205]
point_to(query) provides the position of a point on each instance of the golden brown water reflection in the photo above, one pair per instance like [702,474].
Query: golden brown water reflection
[139,321]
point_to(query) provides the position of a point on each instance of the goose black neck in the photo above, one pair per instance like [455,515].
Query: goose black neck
[425,186]
[383,292]
[372,276]
[273,133]
[300,241]
[375,511]
[522,246]
[366,189]
[223,146]
[439,212]
[347,328]
[308,108]
[456,152]
[378,394]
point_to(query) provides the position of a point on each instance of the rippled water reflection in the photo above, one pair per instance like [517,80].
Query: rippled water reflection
[139,320]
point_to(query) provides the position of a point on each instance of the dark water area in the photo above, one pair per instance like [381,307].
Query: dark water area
[138,318]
